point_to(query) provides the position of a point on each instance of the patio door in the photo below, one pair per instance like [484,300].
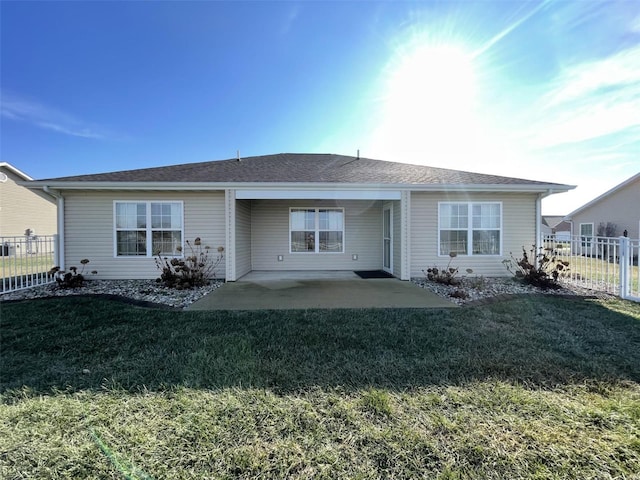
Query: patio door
[387,239]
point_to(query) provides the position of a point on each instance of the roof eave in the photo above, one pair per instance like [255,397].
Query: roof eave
[547,189]
[15,170]
[604,195]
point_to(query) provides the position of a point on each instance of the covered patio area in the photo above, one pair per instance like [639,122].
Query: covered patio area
[286,290]
[327,229]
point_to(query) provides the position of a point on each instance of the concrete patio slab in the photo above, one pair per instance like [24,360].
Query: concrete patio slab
[303,290]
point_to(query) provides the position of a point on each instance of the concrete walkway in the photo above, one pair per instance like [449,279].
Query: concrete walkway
[303,290]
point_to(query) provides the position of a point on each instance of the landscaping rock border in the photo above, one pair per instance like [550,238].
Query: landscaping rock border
[485,290]
[145,293]
[148,293]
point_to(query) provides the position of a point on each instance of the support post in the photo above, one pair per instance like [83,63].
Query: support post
[625,271]
[405,236]
[230,247]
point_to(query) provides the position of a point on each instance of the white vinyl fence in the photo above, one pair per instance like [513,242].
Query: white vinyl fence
[26,260]
[607,264]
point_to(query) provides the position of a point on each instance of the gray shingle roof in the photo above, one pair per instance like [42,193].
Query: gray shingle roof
[302,168]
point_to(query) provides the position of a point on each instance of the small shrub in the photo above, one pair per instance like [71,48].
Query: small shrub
[540,270]
[194,270]
[608,229]
[71,279]
[478,283]
[446,276]
[459,293]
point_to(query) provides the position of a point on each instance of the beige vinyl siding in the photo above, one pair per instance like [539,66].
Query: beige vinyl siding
[622,207]
[22,209]
[270,236]
[243,237]
[518,230]
[89,229]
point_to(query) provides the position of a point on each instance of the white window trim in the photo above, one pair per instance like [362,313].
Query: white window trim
[148,229]
[470,228]
[587,241]
[317,231]
[593,226]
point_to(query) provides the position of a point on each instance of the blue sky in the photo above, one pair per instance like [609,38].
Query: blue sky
[541,90]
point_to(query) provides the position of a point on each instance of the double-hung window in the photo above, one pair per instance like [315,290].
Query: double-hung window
[468,228]
[586,234]
[148,228]
[316,230]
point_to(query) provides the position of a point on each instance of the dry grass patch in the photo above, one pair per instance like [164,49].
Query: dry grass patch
[539,388]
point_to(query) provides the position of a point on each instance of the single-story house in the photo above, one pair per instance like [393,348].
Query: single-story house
[24,210]
[557,226]
[298,212]
[618,207]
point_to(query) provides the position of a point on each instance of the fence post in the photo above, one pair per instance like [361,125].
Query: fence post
[624,267]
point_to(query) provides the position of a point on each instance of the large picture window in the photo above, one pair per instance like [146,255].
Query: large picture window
[316,230]
[148,228]
[470,228]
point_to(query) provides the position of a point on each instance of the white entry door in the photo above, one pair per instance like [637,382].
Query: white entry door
[387,239]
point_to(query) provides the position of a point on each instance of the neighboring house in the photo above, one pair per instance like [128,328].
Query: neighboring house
[22,209]
[557,226]
[298,212]
[620,207]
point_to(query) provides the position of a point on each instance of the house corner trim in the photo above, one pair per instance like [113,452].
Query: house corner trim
[230,237]
[405,240]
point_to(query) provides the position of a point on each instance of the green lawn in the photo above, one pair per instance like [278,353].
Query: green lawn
[528,388]
[14,268]
[16,264]
[596,269]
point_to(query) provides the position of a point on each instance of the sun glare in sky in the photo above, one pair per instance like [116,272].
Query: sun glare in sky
[429,102]
[433,83]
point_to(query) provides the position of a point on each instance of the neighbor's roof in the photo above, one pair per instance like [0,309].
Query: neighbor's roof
[299,168]
[13,169]
[552,220]
[605,195]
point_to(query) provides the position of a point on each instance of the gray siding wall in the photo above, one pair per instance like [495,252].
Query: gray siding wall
[89,230]
[243,237]
[270,236]
[518,230]
[621,207]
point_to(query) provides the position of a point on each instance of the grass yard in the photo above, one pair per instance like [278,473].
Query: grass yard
[595,271]
[15,269]
[528,388]
[22,264]
[601,268]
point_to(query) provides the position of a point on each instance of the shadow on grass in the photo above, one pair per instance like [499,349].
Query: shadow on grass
[75,344]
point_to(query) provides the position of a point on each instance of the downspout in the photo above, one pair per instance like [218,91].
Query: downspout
[539,239]
[60,214]
[539,242]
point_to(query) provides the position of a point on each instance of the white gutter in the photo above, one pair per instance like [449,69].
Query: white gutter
[540,196]
[539,242]
[207,186]
[16,171]
[60,218]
